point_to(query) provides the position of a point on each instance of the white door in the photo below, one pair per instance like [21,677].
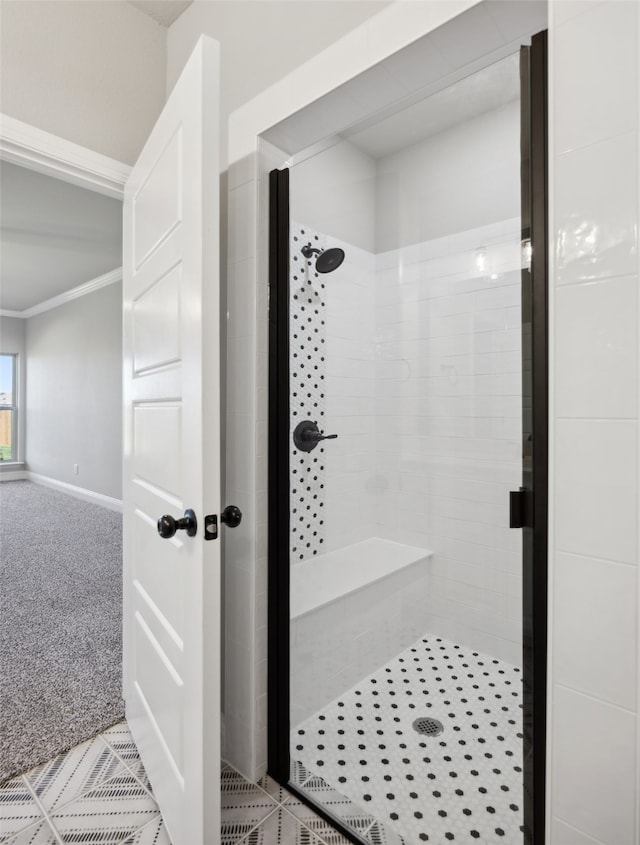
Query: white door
[172,453]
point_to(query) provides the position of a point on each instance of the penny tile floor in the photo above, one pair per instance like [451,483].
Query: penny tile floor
[459,780]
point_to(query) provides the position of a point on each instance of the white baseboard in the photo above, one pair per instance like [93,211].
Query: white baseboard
[78,492]
[13,475]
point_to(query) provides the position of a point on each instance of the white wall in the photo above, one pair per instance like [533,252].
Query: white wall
[335,193]
[261,42]
[74,392]
[457,180]
[594,793]
[13,341]
[91,72]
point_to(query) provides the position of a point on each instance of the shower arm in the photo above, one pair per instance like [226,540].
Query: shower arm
[308,250]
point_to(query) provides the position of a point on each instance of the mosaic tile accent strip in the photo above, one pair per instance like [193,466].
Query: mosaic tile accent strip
[463,786]
[307,316]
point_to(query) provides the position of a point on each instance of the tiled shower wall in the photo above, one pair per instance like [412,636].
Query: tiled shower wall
[350,460]
[593,775]
[423,388]
[448,425]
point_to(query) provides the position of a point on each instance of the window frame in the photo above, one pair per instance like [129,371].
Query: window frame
[13,408]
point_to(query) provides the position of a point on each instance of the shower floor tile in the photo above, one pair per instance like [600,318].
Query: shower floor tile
[462,786]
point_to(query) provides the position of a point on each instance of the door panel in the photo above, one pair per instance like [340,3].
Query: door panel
[172,453]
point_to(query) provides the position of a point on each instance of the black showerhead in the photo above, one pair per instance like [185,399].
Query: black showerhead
[327,260]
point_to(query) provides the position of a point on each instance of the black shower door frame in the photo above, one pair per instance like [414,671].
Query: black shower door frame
[534,491]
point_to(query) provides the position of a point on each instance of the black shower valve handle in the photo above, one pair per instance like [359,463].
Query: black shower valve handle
[307,435]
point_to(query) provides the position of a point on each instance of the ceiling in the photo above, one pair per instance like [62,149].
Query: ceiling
[54,236]
[488,89]
[164,12]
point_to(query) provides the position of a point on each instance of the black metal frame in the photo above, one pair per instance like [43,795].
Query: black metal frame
[535,478]
[279,519]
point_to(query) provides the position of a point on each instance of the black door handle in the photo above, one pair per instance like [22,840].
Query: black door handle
[167,525]
[231,516]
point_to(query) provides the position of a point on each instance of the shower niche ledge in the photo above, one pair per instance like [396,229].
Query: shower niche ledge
[352,610]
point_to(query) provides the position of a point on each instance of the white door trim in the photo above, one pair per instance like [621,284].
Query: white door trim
[35,149]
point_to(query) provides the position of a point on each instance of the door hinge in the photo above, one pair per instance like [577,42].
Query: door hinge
[519,509]
[211,527]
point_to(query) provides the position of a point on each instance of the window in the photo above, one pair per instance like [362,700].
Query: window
[8,408]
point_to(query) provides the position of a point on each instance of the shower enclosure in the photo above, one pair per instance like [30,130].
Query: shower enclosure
[406,680]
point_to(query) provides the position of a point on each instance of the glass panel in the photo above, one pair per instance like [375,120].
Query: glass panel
[7,398]
[7,369]
[406,421]
[6,438]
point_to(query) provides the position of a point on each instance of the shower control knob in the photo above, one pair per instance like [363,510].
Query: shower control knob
[167,525]
[307,435]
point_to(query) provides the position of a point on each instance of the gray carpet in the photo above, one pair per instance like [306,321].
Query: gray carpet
[60,623]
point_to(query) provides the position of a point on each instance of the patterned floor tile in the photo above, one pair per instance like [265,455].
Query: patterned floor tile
[322,828]
[109,814]
[299,773]
[463,784]
[38,834]
[244,805]
[120,739]
[379,834]
[333,802]
[78,770]
[272,788]
[138,770]
[281,828]
[18,808]
[154,833]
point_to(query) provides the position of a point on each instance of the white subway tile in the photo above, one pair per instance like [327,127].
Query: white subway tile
[596,218]
[593,766]
[595,628]
[597,349]
[596,500]
[596,52]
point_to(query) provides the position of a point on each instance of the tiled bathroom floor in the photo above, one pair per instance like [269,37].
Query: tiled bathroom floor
[98,794]
[463,785]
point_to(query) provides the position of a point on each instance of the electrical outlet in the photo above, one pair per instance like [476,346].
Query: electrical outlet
[75,469]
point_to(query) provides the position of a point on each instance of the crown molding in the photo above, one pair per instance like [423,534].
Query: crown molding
[35,149]
[68,296]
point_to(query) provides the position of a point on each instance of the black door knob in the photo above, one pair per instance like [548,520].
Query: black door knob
[167,525]
[231,516]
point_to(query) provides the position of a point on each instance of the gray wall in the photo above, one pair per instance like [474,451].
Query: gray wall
[91,72]
[13,341]
[74,392]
